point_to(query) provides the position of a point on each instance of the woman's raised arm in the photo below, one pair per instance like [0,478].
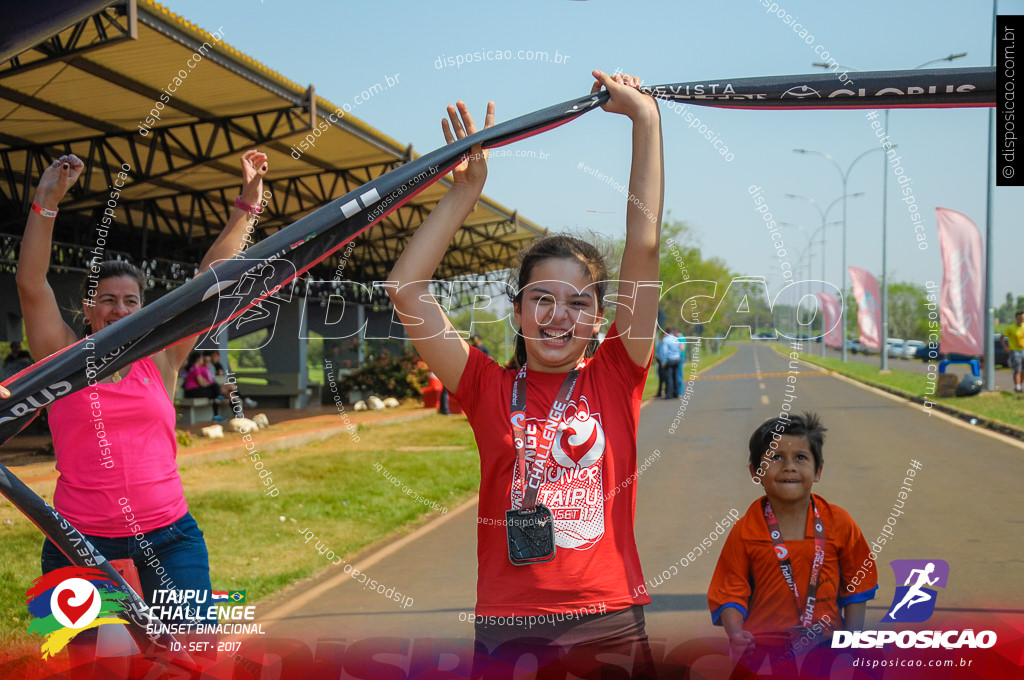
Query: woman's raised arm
[44,326]
[232,240]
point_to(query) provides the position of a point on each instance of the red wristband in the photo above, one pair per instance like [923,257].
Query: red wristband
[45,212]
[253,209]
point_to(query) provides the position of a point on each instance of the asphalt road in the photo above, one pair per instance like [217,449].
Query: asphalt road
[963,509]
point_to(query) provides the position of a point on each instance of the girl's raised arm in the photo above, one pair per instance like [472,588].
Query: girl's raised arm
[636,311]
[409,282]
[44,327]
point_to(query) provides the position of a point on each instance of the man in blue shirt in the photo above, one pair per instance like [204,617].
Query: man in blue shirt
[669,355]
[682,360]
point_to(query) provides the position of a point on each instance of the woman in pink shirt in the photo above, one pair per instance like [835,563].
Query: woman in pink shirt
[115,441]
[199,381]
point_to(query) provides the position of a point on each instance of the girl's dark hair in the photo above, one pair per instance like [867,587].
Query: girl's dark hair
[111,269]
[807,425]
[561,246]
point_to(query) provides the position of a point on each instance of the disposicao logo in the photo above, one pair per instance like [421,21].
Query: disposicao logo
[914,602]
[69,600]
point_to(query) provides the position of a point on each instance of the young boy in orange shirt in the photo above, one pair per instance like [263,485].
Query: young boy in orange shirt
[783,573]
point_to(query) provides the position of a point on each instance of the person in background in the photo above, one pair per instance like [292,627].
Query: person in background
[16,361]
[199,383]
[662,378]
[669,349]
[1013,343]
[478,342]
[682,359]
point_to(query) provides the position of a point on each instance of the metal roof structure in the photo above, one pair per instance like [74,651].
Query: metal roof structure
[89,89]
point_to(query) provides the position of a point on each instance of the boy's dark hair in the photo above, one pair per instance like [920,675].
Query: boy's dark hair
[807,425]
[559,246]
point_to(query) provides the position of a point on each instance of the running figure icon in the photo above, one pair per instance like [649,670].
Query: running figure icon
[920,579]
[915,595]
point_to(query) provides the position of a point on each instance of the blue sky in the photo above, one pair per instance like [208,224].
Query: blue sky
[345,48]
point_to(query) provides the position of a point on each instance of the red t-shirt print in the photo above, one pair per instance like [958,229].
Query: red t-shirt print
[593,451]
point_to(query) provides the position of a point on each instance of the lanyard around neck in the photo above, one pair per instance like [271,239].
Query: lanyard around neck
[806,612]
[531,444]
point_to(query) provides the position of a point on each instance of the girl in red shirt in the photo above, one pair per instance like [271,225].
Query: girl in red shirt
[557,437]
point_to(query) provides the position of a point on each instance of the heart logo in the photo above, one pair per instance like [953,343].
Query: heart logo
[73,612]
[576,453]
[75,603]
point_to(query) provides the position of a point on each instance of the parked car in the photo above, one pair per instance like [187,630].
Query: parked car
[864,349]
[912,347]
[894,347]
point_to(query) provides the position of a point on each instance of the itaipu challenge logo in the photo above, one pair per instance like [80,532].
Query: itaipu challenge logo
[69,600]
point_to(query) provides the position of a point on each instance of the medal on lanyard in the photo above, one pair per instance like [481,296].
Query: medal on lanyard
[530,530]
[805,613]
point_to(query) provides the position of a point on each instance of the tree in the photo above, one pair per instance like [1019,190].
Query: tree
[490,330]
[908,317]
[1008,310]
[697,293]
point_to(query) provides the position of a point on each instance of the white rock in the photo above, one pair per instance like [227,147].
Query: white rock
[375,403]
[391,402]
[359,406]
[243,425]
[261,420]
[213,431]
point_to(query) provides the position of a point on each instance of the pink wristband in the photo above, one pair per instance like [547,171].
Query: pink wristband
[253,209]
[45,212]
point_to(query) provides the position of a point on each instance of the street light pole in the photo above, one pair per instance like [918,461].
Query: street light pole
[824,216]
[885,187]
[844,176]
[885,252]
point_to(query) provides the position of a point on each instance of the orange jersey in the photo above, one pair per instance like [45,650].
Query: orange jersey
[748,576]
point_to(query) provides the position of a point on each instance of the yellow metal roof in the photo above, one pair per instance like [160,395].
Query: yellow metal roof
[92,101]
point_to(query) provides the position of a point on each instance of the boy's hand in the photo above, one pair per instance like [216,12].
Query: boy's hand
[471,172]
[625,97]
[740,643]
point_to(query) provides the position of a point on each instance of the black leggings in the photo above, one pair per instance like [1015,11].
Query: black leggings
[212,391]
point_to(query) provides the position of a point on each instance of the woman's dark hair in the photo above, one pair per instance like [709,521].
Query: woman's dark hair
[560,246]
[807,425]
[111,269]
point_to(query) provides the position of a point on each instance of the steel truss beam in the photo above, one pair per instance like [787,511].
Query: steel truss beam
[108,26]
[173,148]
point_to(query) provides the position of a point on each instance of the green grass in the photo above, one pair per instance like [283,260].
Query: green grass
[331,488]
[997,407]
